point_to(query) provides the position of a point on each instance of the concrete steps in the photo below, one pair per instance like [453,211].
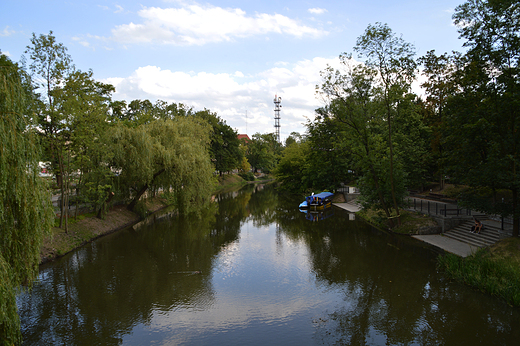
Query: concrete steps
[489,235]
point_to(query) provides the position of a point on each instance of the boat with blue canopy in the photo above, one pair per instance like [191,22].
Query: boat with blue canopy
[318,200]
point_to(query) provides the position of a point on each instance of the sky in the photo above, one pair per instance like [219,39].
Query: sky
[231,57]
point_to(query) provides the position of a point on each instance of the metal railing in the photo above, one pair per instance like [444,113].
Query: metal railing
[436,208]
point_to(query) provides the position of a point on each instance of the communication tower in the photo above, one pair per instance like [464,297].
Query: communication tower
[277,106]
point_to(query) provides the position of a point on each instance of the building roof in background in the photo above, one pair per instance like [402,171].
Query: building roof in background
[245,137]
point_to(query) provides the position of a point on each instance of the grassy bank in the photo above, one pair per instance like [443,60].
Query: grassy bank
[411,223]
[494,270]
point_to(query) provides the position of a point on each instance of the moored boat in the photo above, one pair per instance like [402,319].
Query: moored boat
[318,200]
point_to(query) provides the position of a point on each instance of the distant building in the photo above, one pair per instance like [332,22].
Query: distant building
[244,137]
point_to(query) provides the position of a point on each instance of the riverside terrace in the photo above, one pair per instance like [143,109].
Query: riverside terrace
[455,223]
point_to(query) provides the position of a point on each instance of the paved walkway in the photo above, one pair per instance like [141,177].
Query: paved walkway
[350,207]
[447,244]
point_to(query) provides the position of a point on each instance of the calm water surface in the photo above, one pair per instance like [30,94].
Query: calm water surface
[269,274]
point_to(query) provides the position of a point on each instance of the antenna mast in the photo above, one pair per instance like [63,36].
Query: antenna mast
[277,106]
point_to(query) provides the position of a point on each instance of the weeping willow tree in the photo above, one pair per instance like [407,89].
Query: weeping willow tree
[170,154]
[25,205]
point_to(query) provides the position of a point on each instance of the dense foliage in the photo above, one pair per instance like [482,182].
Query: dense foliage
[465,129]
[25,206]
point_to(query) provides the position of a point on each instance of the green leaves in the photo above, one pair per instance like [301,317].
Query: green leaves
[262,151]
[481,127]
[171,154]
[25,208]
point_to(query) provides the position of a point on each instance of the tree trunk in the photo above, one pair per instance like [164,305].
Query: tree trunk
[132,204]
[109,198]
[516,220]
[381,197]
[392,168]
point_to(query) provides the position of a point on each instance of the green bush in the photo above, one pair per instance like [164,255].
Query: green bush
[140,209]
[249,176]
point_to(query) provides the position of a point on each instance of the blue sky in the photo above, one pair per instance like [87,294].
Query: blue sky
[231,57]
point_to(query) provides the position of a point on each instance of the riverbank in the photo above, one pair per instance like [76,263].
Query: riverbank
[411,223]
[88,227]
[494,270]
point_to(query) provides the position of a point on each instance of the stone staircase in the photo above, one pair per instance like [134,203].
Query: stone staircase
[489,235]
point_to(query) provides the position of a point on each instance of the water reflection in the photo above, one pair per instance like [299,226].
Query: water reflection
[394,296]
[267,276]
[318,215]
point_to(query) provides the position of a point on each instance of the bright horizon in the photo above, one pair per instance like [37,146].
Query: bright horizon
[231,57]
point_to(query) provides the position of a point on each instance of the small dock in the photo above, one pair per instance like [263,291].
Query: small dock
[351,207]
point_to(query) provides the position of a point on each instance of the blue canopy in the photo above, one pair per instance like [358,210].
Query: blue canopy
[323,194]
[317,199]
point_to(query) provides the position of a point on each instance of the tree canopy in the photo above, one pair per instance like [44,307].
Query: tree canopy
[170,154]
[481,132]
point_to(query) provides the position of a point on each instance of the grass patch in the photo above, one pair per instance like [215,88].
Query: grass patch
[73,220]
[411,222]
[374,217]
[227,180]
[494,270]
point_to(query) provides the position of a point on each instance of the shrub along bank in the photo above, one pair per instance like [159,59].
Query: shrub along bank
[494,270]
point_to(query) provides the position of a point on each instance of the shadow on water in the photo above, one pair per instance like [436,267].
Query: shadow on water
[370,287]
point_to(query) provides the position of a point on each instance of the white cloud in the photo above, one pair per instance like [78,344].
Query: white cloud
[195,24]
[81,41]
[231,95]
[6,31]
[317,10]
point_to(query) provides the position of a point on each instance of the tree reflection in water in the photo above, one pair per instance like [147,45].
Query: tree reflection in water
[358,285]
[393,294]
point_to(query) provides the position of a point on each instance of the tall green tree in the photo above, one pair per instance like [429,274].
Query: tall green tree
[439,87]
[352,101]
[85,105]
[262,151]
[393,59]
[382,128]
[25,209]
[482,130]
[225,145]
[50,65]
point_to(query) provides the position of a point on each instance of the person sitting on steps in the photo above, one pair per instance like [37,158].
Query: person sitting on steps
[477,227]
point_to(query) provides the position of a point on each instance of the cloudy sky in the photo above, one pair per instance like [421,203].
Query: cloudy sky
[229,56]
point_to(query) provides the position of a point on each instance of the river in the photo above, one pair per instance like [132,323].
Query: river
[254,270]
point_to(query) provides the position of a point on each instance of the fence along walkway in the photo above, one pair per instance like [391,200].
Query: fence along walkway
[439,208]
[494,227]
